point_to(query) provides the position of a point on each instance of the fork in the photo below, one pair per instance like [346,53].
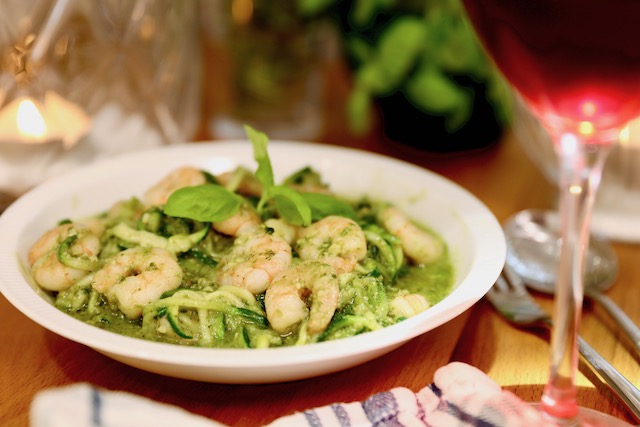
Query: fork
[511,299]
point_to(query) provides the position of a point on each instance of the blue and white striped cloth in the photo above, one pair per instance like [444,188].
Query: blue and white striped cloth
[460,396]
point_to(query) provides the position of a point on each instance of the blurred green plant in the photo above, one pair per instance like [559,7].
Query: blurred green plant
[419,48]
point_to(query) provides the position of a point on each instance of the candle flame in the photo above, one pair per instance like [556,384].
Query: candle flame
[38,121]
[29,120]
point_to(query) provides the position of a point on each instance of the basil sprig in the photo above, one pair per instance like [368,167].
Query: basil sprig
[214,203]
[289,204]
[259,140]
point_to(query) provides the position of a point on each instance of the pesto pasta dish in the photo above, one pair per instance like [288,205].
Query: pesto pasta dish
[237,260]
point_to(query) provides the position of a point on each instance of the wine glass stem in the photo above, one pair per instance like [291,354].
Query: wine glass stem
[581,167]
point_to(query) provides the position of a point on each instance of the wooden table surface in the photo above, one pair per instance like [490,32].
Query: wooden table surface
[34,359]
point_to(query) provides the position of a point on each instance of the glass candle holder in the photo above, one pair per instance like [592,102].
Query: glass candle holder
[267,71]
[80,80]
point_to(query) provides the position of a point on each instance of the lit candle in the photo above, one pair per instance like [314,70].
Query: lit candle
[28,121]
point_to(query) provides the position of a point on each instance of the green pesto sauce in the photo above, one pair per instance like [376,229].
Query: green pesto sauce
[434,281]
[108,318]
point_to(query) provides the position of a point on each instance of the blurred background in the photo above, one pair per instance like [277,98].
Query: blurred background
[82,80]
[279,65]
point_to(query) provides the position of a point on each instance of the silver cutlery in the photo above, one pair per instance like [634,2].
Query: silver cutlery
[511,299]
[533,248]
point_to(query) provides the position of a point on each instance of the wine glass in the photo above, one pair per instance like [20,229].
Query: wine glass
[576,64]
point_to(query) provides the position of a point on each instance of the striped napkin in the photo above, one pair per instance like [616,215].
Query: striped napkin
[460,396]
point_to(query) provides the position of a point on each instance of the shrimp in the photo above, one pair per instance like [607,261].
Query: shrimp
[54,237]
[335,240]
[179,178]
[418,245]
[136,277]
[125,210]
[48,271]
[254,260]
[283,229]
[242,181]
[407,305]
[245,220]
[96,225]
[308,290]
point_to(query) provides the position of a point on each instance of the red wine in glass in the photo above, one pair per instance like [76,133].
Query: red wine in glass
[576,64]
[573,61]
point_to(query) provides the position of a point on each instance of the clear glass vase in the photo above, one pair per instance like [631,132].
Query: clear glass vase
[85,79]
[267,71]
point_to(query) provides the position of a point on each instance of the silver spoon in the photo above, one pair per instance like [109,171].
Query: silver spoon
[533,247]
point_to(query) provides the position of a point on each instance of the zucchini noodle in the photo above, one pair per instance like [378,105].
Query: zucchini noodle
[170,278]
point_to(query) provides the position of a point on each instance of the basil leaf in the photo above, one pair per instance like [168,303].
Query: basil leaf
[323,205]
[260,154]
[289,203]
[205,203]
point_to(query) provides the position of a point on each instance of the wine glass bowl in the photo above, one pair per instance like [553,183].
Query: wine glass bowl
[617,202]
[576,63]
[576,66]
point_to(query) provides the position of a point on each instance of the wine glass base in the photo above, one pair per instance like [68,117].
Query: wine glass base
[592,418]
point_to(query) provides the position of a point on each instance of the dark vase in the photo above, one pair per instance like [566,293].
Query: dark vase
[405,123]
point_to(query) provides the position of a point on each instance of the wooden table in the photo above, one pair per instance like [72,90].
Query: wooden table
[33,359]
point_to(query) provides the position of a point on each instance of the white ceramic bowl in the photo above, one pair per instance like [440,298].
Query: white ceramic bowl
[472,233]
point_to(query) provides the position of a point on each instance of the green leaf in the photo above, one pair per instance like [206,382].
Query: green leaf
[261,155]
[394,56]
[400,46]
[363,12]
[457,118]
[373,78]
[290,204]
[323,205]
[313,7]
[359,111]
[456,49]
[358,48]
[434,92]
[206,203]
